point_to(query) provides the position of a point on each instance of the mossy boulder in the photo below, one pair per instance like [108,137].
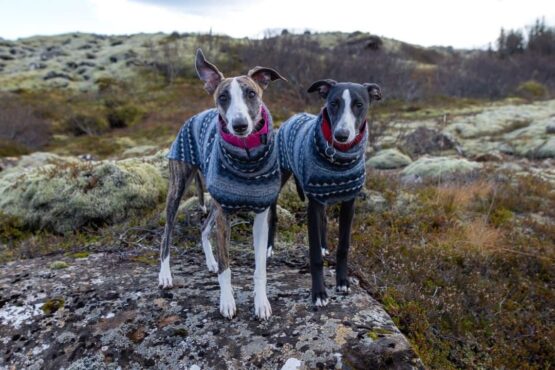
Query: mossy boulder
[67,196]
[545,150]
[439,168]
[389,159]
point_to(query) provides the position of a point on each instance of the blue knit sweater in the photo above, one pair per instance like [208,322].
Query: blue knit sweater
[239,180]
[325,174]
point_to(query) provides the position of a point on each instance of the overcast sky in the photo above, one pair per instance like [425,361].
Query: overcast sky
[462,24]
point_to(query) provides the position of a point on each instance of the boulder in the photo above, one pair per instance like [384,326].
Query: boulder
[439,168]
[108,305]
[426,140]
[545,150]
[66,196]
[389,159]
[373,201]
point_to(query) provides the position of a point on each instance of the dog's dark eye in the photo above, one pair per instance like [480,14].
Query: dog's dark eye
[222,98]
[334,104]
[358,105]
[252,94]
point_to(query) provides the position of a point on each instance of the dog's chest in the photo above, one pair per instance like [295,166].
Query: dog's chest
[238,179]
[325,174]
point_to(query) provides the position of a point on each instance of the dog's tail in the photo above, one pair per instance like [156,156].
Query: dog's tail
[299,189]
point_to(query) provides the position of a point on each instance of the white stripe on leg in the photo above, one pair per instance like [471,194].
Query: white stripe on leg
[262,307]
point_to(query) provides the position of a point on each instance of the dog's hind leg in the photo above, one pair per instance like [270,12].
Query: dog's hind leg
[345,224]
[223,232]
[181,175]
[206,245]
[262,308]
[200,191]
[272,219]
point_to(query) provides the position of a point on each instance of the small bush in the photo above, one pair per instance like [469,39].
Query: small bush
[81,124]
[20,125]
[531,90]
[124,116]
[11,228]
[12,149]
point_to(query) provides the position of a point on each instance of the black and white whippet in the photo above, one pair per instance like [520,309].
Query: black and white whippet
[239,117]
[325,154]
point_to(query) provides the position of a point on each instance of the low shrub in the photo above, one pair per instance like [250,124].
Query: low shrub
[532,90]
[82,124]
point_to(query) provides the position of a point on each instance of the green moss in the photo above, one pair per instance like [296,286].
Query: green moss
[147,260]
[79,254]
[58,265]
[180,332]
[52,305]
[377,333]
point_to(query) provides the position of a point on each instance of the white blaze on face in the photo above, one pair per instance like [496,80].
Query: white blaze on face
[237,107]
[347,120]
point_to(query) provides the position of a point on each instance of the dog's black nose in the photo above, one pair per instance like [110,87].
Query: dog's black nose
[341,135]
[239,126]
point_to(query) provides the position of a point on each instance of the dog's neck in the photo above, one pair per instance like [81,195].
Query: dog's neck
[256,138]
[326,131]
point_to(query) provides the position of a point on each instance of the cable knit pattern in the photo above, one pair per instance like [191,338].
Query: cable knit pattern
[239,179]
[326,175]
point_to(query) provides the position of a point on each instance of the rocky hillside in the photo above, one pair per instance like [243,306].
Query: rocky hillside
[78,60]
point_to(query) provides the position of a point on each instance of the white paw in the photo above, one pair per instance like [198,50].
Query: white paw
[165,275]
[269,252]
[227,302]
[204,209]
[321,302]
[262,308]
[343,289]
[211,264]
[324,252]
[227,305]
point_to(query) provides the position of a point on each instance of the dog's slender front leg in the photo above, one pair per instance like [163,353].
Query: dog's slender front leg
[180,177]
[262,307]
[227,302]
[319,295]
[324,233]
[206,245]
[345,223]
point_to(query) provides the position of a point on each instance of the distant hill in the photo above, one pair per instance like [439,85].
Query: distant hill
[78,60]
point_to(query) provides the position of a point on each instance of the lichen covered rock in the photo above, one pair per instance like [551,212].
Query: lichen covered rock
[67,195]
[389,159]
[436,168]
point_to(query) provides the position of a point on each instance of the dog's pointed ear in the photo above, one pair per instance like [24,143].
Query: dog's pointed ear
[323,87]
[374,91]
[207,72]
[263,76]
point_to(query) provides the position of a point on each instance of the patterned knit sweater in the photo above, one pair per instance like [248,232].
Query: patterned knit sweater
[326,174]
[239,177]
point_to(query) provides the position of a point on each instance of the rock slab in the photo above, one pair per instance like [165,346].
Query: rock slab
[109,314]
